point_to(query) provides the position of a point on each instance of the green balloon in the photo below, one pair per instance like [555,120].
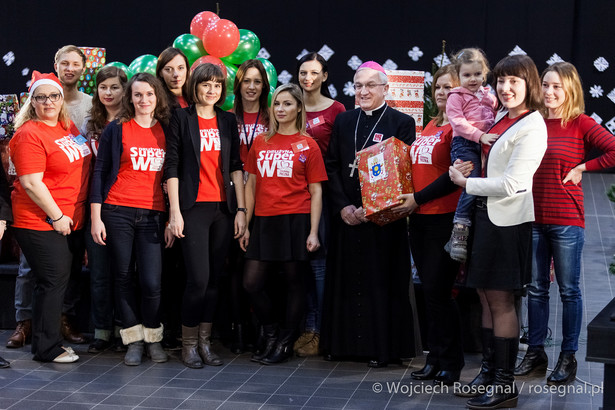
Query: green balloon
[231,72]
[191,46]
[144,64]
[121,66]
[272,75]
[248,47]
[270,96]
[229,102]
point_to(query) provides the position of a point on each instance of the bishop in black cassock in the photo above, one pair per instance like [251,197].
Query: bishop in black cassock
[367,310]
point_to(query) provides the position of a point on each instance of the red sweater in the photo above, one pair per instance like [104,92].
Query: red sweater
[554,202]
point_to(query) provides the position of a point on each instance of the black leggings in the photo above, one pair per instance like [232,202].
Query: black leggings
[255,277]
[208,228]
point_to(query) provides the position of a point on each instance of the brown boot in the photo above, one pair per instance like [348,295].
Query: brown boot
[190,354]
[209,357]
[21,335]
[69,333]
[310,348]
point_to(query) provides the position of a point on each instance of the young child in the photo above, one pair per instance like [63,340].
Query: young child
[471,111]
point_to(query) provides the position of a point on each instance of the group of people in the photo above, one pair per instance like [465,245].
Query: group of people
[269,196]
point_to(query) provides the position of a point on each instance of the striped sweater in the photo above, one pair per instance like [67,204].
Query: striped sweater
[558,204]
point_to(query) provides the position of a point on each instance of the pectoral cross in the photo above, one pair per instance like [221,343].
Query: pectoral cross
[353,166]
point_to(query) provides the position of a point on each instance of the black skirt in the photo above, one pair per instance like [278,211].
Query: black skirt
[279,238]
[501,257]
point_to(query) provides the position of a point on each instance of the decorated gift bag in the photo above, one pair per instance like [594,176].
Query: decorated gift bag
[384,174]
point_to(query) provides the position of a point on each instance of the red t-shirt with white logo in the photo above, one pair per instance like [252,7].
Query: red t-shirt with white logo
[431,156]
[284,166]
[138,183]
[63,156]
[320,124]
[248,131]
[211,183]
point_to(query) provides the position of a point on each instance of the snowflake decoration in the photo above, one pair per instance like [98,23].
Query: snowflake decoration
[611,125]
[302,53]
[9,58]
[263,53]
[326,52]
[611,95]
[349,89]
[28,84]
[554,59]
[389,65]
[332,91]
[428,77]
[442,60]
[354,63]
[25,71]
[596,118]
[601,64]
[415,53]
[596,91]
[517,51]
[284,77]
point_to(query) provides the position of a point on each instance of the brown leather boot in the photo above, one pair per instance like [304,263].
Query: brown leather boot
[21,335]
[69,333]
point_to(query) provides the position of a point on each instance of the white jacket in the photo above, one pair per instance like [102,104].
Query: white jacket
[513,160]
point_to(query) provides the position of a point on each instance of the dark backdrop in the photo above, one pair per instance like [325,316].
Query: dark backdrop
[578,31]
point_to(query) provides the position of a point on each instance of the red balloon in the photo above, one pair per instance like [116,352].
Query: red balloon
[221,38]
[201,21]
[211,60]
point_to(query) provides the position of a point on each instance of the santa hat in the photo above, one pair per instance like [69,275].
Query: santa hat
[373,65]
[39,79]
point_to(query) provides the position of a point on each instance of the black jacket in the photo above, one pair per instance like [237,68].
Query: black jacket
[183,156]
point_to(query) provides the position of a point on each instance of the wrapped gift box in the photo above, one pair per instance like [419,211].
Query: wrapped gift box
[95,58]
[384,174]
[9,106]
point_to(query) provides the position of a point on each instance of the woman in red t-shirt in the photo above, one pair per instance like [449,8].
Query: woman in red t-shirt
[128,210]
[173,70]
[106,106]
[251,109]
[205,184]
[284,191]
[321,111]
[52,160]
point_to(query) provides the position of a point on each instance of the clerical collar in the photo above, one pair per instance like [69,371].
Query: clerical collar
[370,113]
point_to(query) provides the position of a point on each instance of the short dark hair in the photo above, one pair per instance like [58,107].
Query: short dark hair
[161,112]
[203,73]
[523,67]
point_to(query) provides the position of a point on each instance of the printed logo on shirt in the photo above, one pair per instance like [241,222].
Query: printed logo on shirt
[249,128]
[314,122]
[421,150]
[278,162]
[378,137]
[377,171]
[147,159]
[210,139]
[74,147]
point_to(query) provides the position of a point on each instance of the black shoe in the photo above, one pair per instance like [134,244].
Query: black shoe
[4,363]
[428,372]
[266,342]
[283,349]
[565,371]
[170,343]
[118,346]
[238,345]
[534,363]
[376,364]
[447,377]
[99,346]
[486,375]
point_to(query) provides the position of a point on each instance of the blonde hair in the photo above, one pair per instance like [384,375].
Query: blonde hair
[27,113]
[574,103]
[470,56]
[297,94]
[69,49]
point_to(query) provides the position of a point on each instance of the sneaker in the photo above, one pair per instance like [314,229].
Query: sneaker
[98,346]
[459,243]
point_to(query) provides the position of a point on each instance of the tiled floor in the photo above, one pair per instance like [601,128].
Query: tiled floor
[103,382]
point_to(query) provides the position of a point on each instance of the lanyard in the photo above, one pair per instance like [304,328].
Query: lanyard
[250,140]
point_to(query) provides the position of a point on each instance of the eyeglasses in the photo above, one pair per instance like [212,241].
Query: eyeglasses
[369,87]
[42,98]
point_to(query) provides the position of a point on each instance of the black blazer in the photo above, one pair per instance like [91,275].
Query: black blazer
[183,156]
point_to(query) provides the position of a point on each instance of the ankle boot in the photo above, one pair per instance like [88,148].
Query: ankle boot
[156,352]
[266,342]
[502,393]
[534,363]
[283,349]
[209,357]
[238,344]
[190,354]
[486,374]
[565,371]
[134,354]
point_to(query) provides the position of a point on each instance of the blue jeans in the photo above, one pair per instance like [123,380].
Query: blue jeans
[565,244]
[315,297]
[136,235]
[24,289]
[466,150]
